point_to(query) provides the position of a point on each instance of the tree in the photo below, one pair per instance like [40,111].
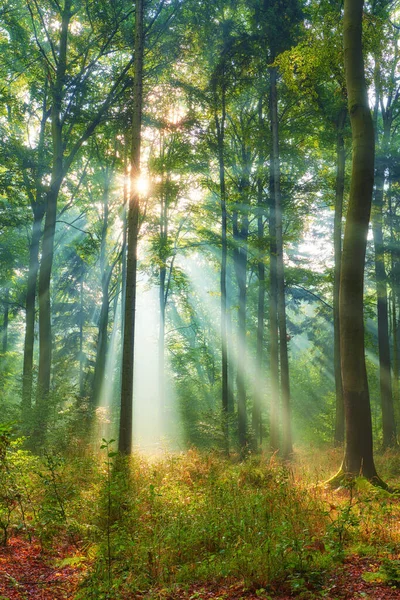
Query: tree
[126,416]
[358,456]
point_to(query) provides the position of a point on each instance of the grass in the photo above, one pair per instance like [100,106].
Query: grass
[151,524]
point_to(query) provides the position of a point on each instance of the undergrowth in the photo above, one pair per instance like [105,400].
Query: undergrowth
[151,524]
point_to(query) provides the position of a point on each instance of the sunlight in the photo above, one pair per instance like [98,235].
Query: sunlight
[142,185]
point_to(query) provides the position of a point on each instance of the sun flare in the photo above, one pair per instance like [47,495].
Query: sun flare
[142,185]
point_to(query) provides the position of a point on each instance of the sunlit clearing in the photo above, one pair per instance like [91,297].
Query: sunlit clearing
[142,185]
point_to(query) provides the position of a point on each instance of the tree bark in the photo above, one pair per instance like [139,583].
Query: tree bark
[240,234]
[394,290]
[81,324]
[5,320]
[57,174]
[162,298]
[38,210]
[287,448]
[29,342]
[220,126]
[126,414]
[106,272]
[385,381]
[273,321]
[257,403]
[358,456]
[337,244]
[256,415]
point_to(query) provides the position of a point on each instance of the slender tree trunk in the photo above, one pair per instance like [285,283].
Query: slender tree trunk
[273,321]
[240,234]
[27,375]
[81,324]
[385,380]
[241,268]
[45,330]
[6,319]
[161,340]
[124,240]
[394,288]
[358,456]
[287,448]
[38,210]
[220,126]
[395,352]
[162,297]
[256,415]
[126,414]
[106,272]
[102,347]
[258,400]
[337,244]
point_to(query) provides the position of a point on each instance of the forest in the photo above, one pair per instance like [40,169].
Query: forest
[199,299]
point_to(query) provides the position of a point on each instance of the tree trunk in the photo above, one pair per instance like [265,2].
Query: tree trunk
[273,321]
[220,126]
[287,448]
[45,331]
[162,297]
[385,381]
[5,320]
[256,414]
[27,375]
[337,244]
[240,262]
[106,272]
[81,324]
[126,414]
[358,456]
[394,289]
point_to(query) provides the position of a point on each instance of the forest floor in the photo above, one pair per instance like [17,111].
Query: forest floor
[29,572]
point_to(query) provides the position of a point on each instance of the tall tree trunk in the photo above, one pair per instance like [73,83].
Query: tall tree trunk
[273,321]
[5,320]
[81,324]
[106,272]
[256,415]
[126,414]
[395,320]
[240,262]
[45,330]
[102,345]
[258,400]
[287,448]
[220,126]
[161,341]
[38,210]
[358,456]
[337,244]
[162,296]
[29,342]
[385,380]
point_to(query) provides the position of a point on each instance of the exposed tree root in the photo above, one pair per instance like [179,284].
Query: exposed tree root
[346,480]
